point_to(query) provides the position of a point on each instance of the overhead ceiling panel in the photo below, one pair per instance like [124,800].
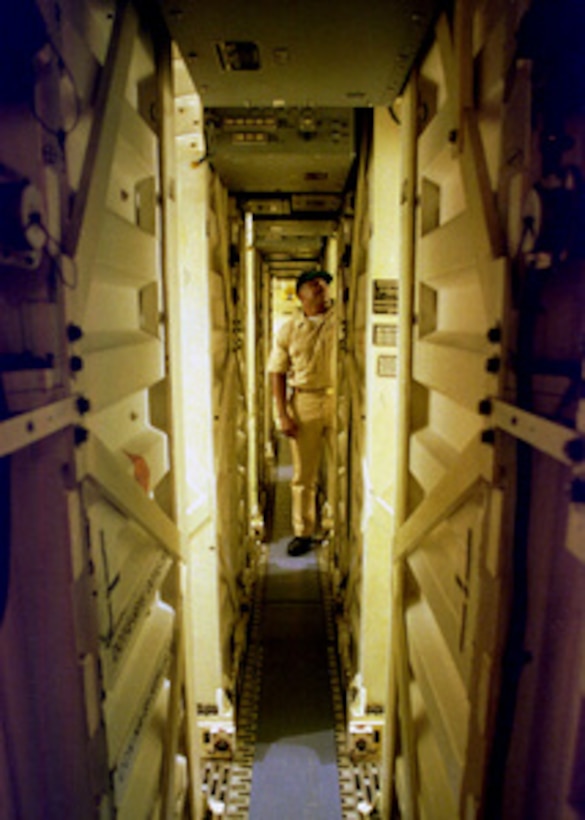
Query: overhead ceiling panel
[295,237]
[303,150]
[328,53]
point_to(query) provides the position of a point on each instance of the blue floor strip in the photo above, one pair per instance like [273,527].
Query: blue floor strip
[295,774]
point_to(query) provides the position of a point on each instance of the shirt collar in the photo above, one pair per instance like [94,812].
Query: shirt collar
[302,317]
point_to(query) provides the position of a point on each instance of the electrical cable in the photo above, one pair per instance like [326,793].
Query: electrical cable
[59,133]
[515,655]
[5,534]
[60,250]
[198,162]
[393,114]
[58,268]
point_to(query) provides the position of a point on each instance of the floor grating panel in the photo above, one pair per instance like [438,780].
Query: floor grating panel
[359,782]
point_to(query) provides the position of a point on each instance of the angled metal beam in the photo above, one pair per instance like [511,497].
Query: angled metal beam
[457,59]
[463,65]
[97,464]
[82,235]
[475,464]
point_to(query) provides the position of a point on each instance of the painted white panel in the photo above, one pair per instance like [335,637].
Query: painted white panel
[150,445]
[136,785]
[435,567]
[134,695]
[441,686]
[445,567]
[454,423]
[118,422]
[430,457]
[95,461]
[125,253]
[448,252]
[460,307]
[112,307]
[137,142]
[437,800]
[454,365]
[129,568]
[117,364]
[445,173]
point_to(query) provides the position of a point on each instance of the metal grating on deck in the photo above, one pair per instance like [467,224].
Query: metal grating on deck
[227,784]
[359,782]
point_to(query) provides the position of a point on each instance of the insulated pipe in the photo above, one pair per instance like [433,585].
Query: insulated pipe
[329,513]
[266,319]
[407,261]
[251,374]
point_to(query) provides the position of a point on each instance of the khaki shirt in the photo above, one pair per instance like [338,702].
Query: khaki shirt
[304,349]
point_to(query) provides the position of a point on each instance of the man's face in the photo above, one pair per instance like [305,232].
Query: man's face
[314,294]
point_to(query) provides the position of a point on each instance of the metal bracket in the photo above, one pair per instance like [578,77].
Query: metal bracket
[365,738]
[218,739]
[561,443]
[27,428]
[542,434]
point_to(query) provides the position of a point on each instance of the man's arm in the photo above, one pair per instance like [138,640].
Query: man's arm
[287,423]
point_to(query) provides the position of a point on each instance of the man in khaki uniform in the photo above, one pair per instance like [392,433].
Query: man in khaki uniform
[303,359]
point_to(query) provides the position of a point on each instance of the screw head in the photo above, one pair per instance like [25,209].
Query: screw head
[76,364]
[575,449]
[80,435]
[492,364]
[485,407]
[83,405]
[74,332]
[488,436]
[578,491]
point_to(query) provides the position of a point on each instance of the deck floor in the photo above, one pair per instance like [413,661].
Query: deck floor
[295,771]
[291,760]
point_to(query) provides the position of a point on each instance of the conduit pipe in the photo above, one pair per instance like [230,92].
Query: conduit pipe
[251,374]
[398,699]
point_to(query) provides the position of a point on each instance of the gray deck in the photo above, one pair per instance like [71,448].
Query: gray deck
[295,771]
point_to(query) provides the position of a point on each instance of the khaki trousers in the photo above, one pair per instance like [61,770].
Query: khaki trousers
[314,414]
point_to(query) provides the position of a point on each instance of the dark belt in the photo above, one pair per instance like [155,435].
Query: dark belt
[327,391]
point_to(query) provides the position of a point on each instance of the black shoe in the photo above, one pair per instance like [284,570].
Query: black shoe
[299,546]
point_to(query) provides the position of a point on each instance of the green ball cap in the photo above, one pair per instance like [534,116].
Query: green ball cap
[309,275]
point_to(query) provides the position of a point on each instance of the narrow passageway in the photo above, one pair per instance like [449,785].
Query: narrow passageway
[295,770]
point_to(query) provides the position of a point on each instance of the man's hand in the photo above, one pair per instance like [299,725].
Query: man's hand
[287,423]
[288,426]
